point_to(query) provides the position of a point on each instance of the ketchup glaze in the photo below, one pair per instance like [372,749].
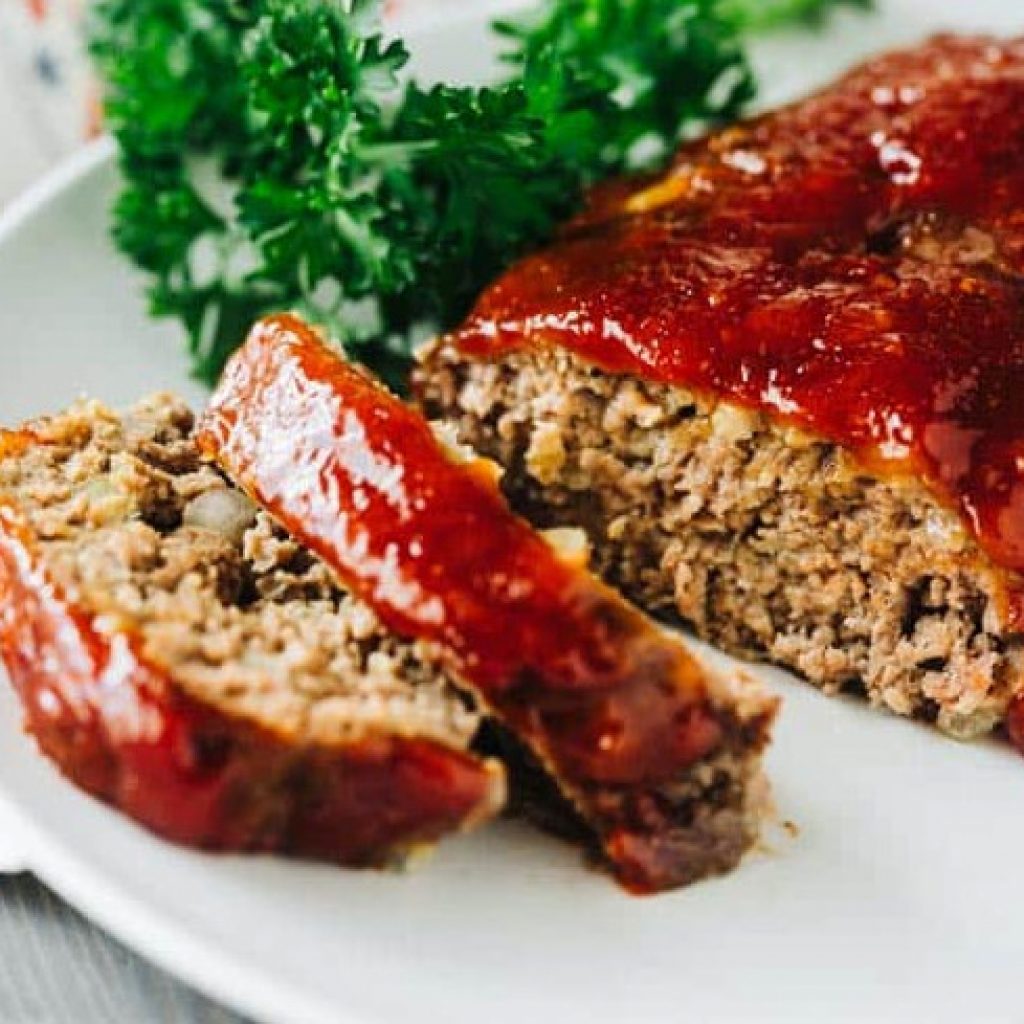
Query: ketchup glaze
[851,264]
[599,694]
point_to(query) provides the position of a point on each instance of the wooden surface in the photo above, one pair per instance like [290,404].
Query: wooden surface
[55,967]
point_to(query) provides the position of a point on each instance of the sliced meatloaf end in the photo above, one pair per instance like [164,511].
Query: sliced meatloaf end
[770,543]
[181,659]
[781,384]
[658,756]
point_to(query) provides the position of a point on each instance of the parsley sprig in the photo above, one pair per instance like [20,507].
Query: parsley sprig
[274,157]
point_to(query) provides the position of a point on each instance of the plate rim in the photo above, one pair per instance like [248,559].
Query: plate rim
[183,952]
[65,175]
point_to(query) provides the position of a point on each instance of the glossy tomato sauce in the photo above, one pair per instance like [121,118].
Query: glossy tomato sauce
[614,708]
[431,546]
[851,264]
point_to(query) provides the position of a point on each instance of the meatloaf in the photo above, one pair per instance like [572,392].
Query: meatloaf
[657,756]
[782,385]
[182,659]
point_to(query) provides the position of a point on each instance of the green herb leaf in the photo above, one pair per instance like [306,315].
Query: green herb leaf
[760,15]
[621,83]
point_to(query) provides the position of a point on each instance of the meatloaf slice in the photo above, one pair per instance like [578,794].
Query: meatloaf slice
[770,543]
[181,659]
[658,756]
[781,384]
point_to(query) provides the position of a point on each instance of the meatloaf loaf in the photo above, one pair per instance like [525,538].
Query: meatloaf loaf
[657,756]
[179,657]
[782,385]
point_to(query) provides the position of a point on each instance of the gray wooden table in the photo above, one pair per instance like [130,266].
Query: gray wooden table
[55,967]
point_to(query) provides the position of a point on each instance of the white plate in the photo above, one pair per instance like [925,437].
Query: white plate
[899,898]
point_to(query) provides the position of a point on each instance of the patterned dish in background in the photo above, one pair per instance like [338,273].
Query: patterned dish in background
[42,58]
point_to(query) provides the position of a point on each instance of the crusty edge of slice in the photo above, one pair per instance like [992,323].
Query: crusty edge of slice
[119,726]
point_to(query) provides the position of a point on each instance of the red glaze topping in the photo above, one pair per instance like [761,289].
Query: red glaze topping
[597,692]
[120,728]
[852,264]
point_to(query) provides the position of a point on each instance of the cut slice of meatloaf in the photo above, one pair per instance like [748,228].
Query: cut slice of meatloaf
[782,386]
[769,543]
[180,658]
[658,756]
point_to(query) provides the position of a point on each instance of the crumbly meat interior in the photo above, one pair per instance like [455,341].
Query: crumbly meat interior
[770,543]
[139,531]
